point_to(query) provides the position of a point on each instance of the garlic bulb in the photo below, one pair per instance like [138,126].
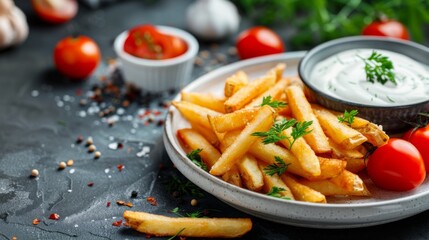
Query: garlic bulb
[212,19]
[13,24]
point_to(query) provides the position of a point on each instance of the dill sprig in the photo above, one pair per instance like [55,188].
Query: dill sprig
[195,157]
[276,168]
[379,68]
[272,103]
[348,117]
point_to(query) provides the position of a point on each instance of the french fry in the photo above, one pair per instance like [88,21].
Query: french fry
[339,132]
[235,82]
[158,225]
[275,181]
[261,122]
[194,140]
[208,133]
[245,94]
[355,165]
[342,153]
[250,173]
[349,181]
[375,135]
[204,100]
[302,192]
[346,183]
[233,177]
[275,92]
[303,152]
[329,168]
[301,110]
[232,121]
[197,113]
[278,70]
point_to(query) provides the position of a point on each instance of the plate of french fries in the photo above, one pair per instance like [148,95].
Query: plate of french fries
[251,134]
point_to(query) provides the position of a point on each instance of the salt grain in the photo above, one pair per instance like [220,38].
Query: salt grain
[34,93]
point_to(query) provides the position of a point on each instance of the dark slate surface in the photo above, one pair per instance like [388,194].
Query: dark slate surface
[41,118]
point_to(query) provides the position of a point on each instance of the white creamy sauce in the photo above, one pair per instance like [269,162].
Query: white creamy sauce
[343,76]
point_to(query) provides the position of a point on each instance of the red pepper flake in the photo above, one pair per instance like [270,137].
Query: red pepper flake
[36,221]
[126,224]
[120,167]
[120,145]
[182,238]
[117,223]
[152,201]
[90,184]
[160,123]
[108,204]
[156,112]
[148,236]
[54,216]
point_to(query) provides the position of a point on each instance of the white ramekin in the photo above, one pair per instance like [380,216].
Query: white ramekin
[158,75]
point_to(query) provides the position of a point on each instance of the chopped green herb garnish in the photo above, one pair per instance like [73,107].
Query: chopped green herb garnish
[348,117]
[195,157]
[275,192]
[183,187]
[379,68]
[276,168]
[272,103]
[299,130]
[275,133]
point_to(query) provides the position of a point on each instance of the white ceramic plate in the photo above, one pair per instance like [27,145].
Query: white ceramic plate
[382,207]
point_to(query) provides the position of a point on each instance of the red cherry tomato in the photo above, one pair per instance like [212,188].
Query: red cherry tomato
[396,166]
[420,139]
[76,57]
[258,41]
[387,28]
[147,42]
[55,11]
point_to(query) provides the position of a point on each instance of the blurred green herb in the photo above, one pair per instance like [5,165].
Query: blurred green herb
[195,157]
[317,21]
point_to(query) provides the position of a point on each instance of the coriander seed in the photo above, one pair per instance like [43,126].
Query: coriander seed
[194,202]
[34,173]
[91,148]
[97,154]
[89,141]
[62,165]
[70,162]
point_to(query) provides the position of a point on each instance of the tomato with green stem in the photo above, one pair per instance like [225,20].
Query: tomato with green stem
[397,165]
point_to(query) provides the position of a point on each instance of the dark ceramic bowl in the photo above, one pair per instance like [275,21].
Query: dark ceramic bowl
[390,117]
